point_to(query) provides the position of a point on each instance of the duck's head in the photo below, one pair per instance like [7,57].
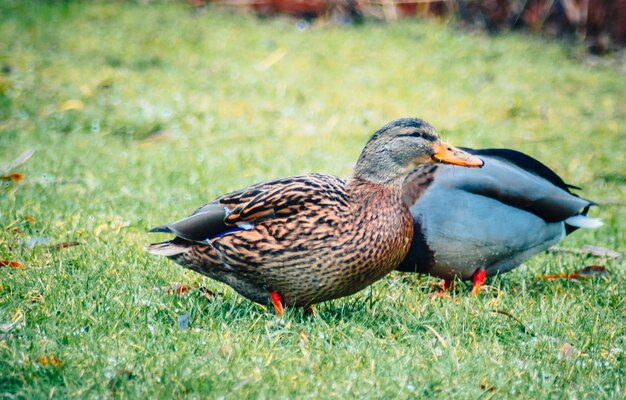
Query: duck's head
[401,145]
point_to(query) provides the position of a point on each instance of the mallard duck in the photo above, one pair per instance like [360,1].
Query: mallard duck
[470,224]
[302,240]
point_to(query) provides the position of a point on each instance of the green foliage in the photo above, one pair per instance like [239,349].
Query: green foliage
[139,114]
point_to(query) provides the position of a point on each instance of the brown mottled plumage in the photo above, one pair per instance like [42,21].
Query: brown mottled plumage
[305,239]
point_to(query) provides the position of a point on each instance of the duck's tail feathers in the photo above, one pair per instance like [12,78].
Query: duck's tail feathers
[167,249]
[582,221]
[164,229]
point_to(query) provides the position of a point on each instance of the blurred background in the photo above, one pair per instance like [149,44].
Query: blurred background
[600,23]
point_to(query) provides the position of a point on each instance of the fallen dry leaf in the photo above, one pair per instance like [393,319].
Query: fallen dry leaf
[37,297]
[486,387]
[584,273]
[591,270]
[206,293]
[557,276]
[52,361]
[178,288]
[14,177]
[567,351]
[71,105]
[29,219]
[12,264]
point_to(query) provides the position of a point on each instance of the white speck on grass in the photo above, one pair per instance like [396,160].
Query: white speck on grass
[302,25]
[37,241]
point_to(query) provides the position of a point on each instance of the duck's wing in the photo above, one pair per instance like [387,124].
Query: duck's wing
[525,162]
[290,197]
[517,180]
[240,210]
[204,224]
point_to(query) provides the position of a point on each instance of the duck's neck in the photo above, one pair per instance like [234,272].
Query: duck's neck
[373,195]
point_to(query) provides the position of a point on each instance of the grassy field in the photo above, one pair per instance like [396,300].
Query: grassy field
[139,114]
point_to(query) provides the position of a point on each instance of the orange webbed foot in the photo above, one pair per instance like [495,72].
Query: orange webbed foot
[479,280]
[278,303]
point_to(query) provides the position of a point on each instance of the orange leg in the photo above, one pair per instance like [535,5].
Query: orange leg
[479,280]
[278,302]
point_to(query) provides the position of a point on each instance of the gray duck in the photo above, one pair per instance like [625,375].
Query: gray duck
[470,224]
[305,239]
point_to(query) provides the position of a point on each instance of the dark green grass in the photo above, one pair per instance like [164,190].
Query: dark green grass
[218,116]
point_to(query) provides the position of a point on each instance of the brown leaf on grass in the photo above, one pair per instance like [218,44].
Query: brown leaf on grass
[55,361]
[559,276]
[29,219]
[567,350]
[14,177]
[206,293]
[12,264]
[36,298]
[592,270]
[16,230]
[49,361]
[178,288]
[584,273]
[486,387]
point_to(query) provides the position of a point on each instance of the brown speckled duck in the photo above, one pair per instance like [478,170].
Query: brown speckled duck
[302,240]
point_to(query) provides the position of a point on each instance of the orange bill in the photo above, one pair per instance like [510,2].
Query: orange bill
[451,155]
